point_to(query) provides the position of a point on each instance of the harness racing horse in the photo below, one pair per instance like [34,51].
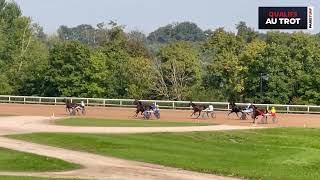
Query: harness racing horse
[234,109]
[70,106]
[197,108]
[74,108]
[146,109]
[141,108]
[257,112]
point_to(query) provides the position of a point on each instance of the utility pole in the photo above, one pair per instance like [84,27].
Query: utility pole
[261,87]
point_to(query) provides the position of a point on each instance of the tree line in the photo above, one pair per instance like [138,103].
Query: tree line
[179,61]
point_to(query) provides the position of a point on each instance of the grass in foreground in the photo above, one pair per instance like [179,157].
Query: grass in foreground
[251,154]
[14,161]
[123,123]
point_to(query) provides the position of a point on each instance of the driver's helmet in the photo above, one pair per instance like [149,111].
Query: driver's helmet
[152,105]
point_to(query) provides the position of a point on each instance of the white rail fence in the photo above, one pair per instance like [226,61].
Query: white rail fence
[223,106]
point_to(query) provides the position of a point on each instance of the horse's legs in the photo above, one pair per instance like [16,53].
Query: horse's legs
[137,112]
[199,114]
[83,111]
[237,114]
[230,113]
[254,118]
[193,113]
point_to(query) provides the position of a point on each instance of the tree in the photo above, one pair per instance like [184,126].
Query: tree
[22,54]
[184,31]
[116,61]
[84,33]
[5,87]
[224,70]
[245,32]
[141,78]
[137,45]
[67,75]
[178,71]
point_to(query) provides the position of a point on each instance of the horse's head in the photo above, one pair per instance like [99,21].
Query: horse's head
[232,104]
[253,106]
[137,102]
[67,101]
[191,104]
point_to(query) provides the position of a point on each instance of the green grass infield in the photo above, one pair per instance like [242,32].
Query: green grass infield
[251,154]
[93,122]
[15,161]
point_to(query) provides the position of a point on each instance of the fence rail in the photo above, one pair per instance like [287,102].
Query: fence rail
[223,106]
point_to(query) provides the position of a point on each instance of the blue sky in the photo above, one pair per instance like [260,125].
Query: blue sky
[147,15]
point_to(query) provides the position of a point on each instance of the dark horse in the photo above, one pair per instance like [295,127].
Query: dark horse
[234,109]
[256,112]
[140,107]
[74,108]
[69,105]
[197,108]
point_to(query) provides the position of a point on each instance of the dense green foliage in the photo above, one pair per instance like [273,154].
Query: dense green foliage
[178,62]
[123,123]
[252,154]
[18,161]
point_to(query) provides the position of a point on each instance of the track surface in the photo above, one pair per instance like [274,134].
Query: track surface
[96,166]
[38,119]
[285,120]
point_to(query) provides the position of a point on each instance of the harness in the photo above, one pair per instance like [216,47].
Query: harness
[260,112]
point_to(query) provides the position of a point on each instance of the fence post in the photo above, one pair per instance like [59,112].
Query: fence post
[173,106]
[87,102]
[39,100]
[71,100]
[104,103]
[308,109]
[228,107]
[120,103]
[55,101]
[9,99]
[24,100]
[288,109]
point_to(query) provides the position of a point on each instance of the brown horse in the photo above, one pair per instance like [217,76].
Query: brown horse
[74,108]
[256,112]
[197,108]
[70,106]
[140,108]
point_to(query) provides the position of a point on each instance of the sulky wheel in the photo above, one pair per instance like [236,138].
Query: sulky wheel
[146,115]
[243,116]
[157,115]
[213,115]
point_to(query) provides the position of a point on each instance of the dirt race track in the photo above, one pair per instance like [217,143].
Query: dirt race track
[38,118]
[285,120]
